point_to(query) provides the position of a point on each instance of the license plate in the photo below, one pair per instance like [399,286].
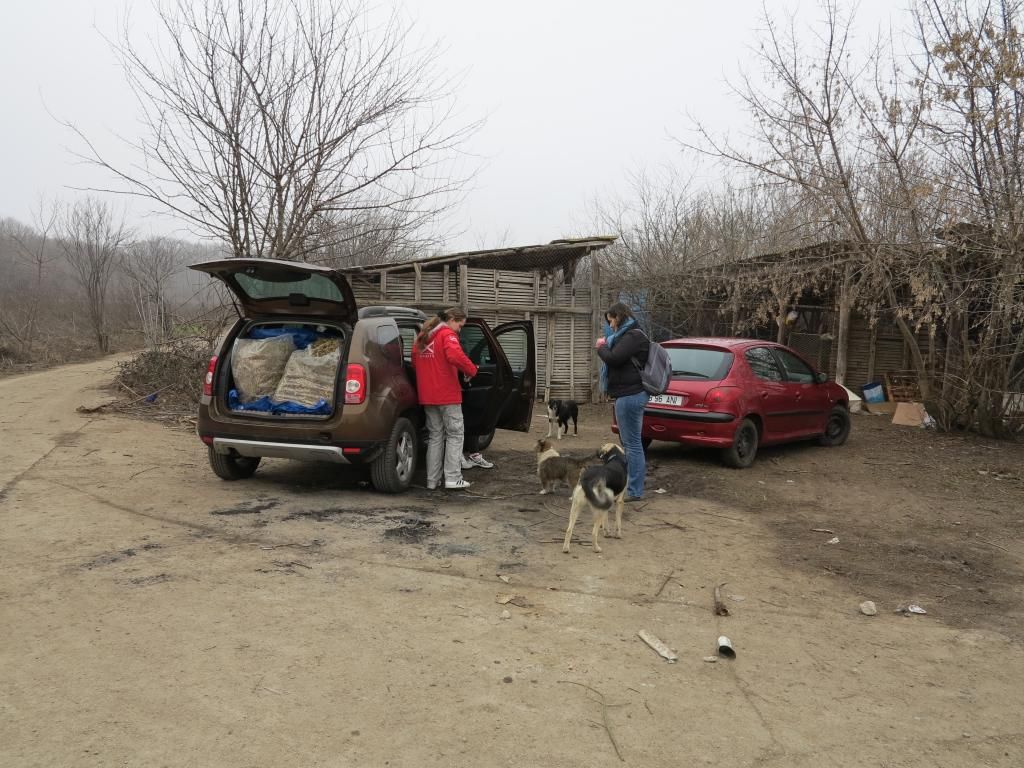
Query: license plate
[666,400]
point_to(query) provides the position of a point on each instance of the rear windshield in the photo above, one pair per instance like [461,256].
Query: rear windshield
[699,364]
[284,284]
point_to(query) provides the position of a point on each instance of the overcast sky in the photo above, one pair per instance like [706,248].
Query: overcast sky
[576,95]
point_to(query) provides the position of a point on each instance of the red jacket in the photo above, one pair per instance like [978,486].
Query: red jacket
[438,366]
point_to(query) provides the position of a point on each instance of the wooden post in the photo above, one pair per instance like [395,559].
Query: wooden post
[596,329]
[872,344]
[549,352]
[418,286]
[843,334]
[464,286]
[780,337]
[445,298]
[384,287]
[931,349]
[572,357]
[572,343]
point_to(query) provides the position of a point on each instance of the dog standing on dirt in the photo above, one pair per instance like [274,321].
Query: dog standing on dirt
[600,488]
[559,413]
[552,467]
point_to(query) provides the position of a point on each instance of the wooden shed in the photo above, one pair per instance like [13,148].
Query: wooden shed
[541,283]
[806,284]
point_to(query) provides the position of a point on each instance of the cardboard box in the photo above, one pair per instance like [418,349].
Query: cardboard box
[909,415]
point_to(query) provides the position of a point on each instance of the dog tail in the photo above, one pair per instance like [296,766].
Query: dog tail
[598,493]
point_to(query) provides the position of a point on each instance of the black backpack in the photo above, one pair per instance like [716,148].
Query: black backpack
[657,373]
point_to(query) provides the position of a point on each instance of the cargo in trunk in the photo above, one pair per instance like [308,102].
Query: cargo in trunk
[285,369]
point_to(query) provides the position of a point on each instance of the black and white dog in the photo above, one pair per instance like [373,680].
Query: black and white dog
[600,488]
[559,413]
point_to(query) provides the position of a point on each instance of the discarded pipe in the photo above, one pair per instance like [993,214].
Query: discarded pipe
[725,649]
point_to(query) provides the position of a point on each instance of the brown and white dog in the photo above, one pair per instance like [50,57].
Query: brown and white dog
[553,467]
[600,488]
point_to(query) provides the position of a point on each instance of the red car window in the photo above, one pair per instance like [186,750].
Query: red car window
[699,363]
[796,369]
[762,363]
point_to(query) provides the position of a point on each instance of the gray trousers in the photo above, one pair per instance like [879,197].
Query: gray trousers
[445,435]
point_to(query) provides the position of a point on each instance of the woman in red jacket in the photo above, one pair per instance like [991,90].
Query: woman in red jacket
[438,360]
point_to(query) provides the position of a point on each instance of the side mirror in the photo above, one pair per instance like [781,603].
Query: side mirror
[821,377]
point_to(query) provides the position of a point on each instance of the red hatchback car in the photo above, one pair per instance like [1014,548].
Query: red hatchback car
[740,394]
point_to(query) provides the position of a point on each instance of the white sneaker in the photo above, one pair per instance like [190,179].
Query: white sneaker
[461,485]
[467,464]
[478,460]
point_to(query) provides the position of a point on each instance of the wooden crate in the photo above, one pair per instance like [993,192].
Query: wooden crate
[902,387]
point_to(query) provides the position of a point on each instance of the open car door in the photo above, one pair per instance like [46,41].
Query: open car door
[486,393]
[517,342]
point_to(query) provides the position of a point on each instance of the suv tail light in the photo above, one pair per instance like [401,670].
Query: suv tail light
[719,396]
[211,369]
[355,384]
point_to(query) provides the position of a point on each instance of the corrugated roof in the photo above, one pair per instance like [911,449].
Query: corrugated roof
[524,258]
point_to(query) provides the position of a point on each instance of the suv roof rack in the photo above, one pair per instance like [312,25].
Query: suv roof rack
[391,311]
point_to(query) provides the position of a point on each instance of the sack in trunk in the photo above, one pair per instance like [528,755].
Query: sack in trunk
[309,378]
[258,364]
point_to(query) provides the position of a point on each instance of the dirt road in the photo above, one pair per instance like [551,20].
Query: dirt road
[152,615]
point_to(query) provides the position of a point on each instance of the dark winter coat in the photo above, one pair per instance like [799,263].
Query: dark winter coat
[623,374]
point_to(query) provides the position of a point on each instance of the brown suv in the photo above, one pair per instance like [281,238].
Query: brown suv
[370,417]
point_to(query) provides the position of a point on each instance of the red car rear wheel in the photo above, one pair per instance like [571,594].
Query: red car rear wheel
[743,450]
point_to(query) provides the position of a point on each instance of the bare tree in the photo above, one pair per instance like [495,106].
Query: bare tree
[271,125]
[825,127]
[149,266]
[33,247]
[973,72]
[91,236]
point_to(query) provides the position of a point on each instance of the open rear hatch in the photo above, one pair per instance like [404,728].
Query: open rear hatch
[269,287]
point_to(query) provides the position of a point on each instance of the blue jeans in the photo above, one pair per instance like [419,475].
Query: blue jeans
[629,415]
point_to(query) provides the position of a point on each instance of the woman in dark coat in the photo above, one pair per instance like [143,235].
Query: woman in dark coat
[624,353]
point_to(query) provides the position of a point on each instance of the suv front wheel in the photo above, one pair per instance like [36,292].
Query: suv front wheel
[228,466]
[392,471]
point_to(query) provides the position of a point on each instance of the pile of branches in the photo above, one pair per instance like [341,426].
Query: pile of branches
[163,383]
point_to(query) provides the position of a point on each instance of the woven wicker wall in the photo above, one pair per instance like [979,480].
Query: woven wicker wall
[501,296]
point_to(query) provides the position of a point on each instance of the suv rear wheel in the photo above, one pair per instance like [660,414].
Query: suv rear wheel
[392,471]
[229,466]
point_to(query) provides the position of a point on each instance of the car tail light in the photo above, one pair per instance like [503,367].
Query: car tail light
[355,384]
[211,369]
[719,396]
